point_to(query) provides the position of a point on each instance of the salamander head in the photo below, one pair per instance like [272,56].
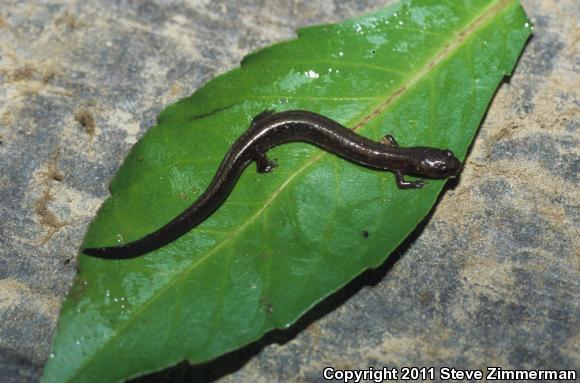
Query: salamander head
[436,163]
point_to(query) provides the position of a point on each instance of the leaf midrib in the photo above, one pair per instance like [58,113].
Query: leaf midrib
[487,14]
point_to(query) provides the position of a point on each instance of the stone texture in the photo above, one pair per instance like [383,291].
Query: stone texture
[491,279]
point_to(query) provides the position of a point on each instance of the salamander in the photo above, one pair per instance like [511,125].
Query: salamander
[268,130]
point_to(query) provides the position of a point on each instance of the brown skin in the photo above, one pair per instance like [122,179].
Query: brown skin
[269,130]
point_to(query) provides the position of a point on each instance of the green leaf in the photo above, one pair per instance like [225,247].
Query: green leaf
[423,71]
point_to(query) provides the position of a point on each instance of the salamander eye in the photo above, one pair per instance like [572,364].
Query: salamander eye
[448,153]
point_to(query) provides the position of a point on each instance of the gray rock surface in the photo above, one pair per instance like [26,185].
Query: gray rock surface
[492,279]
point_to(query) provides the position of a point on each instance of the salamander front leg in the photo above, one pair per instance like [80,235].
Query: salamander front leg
[402,184]
[263,164]
[389,140]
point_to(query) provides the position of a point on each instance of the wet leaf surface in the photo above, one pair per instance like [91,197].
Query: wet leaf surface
[424,72]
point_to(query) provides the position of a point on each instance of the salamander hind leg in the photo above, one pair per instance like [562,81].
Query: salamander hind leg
[263,164]
[389,140]
[261,116]
[402,184]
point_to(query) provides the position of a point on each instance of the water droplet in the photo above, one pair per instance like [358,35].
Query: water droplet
[387,22]
[77,342]
[401,22]
[51,355]
[122,298]
[485,42]
[395,14]
[527,25]
[311,74]
[115,299]
[341,54]
[108,293]
[122,307]
[120,238]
